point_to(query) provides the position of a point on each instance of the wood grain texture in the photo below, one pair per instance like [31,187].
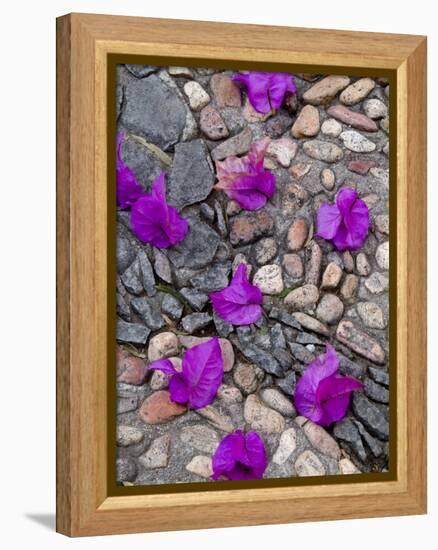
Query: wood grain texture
[83,504]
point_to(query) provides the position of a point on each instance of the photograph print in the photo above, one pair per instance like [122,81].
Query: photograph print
[252,285]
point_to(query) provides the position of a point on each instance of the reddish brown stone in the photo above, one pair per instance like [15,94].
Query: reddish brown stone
[246,228]
[212,124]
[226,93]
[352,118]
[357,340]
[297,234]
[130,369]
[361,166]
[158,408]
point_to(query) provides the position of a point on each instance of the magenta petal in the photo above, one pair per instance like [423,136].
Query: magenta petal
[163,365]
[202,369]
[238,303]
[333,394]
[128,190]
[346,223]
[179,388]
[240,457]
[245,180]
[328,221]
[153,221]
[320,394]
[266,91]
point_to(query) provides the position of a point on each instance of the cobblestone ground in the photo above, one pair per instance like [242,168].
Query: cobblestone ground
[332,133]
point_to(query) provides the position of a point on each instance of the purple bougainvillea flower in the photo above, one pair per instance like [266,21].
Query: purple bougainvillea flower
[201,375]
[345,223]
[321,394]
[153,221]
[266,91]
[244,179]
[238,303]
[240,456]
[128,190]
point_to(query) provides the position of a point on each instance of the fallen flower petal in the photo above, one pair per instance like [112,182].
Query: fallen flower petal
[321,394]
[153,221]
[345,223]
[266,91]
[240,457]
[240,302]
[202,372]
[128,190]
[245,180]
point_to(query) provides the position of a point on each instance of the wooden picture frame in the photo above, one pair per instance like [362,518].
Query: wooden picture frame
[85,506]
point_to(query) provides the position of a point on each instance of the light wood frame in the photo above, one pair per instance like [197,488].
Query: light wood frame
[83,44]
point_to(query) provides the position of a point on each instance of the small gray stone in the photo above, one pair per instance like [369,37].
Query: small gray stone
[198,248]
[330,309]
[262,359]
[141,160]
[360,342]
[347,431]
[122,307]
[310,323]
[382,255]
[269,279]
[362,264]
[308,464]
[277,337]
[131,278]
[331,276]
[153,111]
[229,394]
[201,466]
[195,298]
[191,176]
[374,108]
[293,265]
[133,333]
[323,150]
[375,391]
[285,318]
[172,307]
[319,438]
[288,384]
[128,435]
[277,401]
[125,254]
[198,97]
[236,145]
[126,469]
[163,345]
[126,404]
[286,446]
[245,377]
[382,223]
[379,375]
[220,219]
[223,328]
[217,418]
[313,267]
[302,297]
[162,266]
[265,250]
[371,315]
[196,321]
[200,437]
[262,418]
[149,312]
[146,273]
[331,127]
[300,352]
[157,455]
[357,142]
[357,91]
[207,211]
[215,278]
[370,415]
[375,445]
[377,283]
